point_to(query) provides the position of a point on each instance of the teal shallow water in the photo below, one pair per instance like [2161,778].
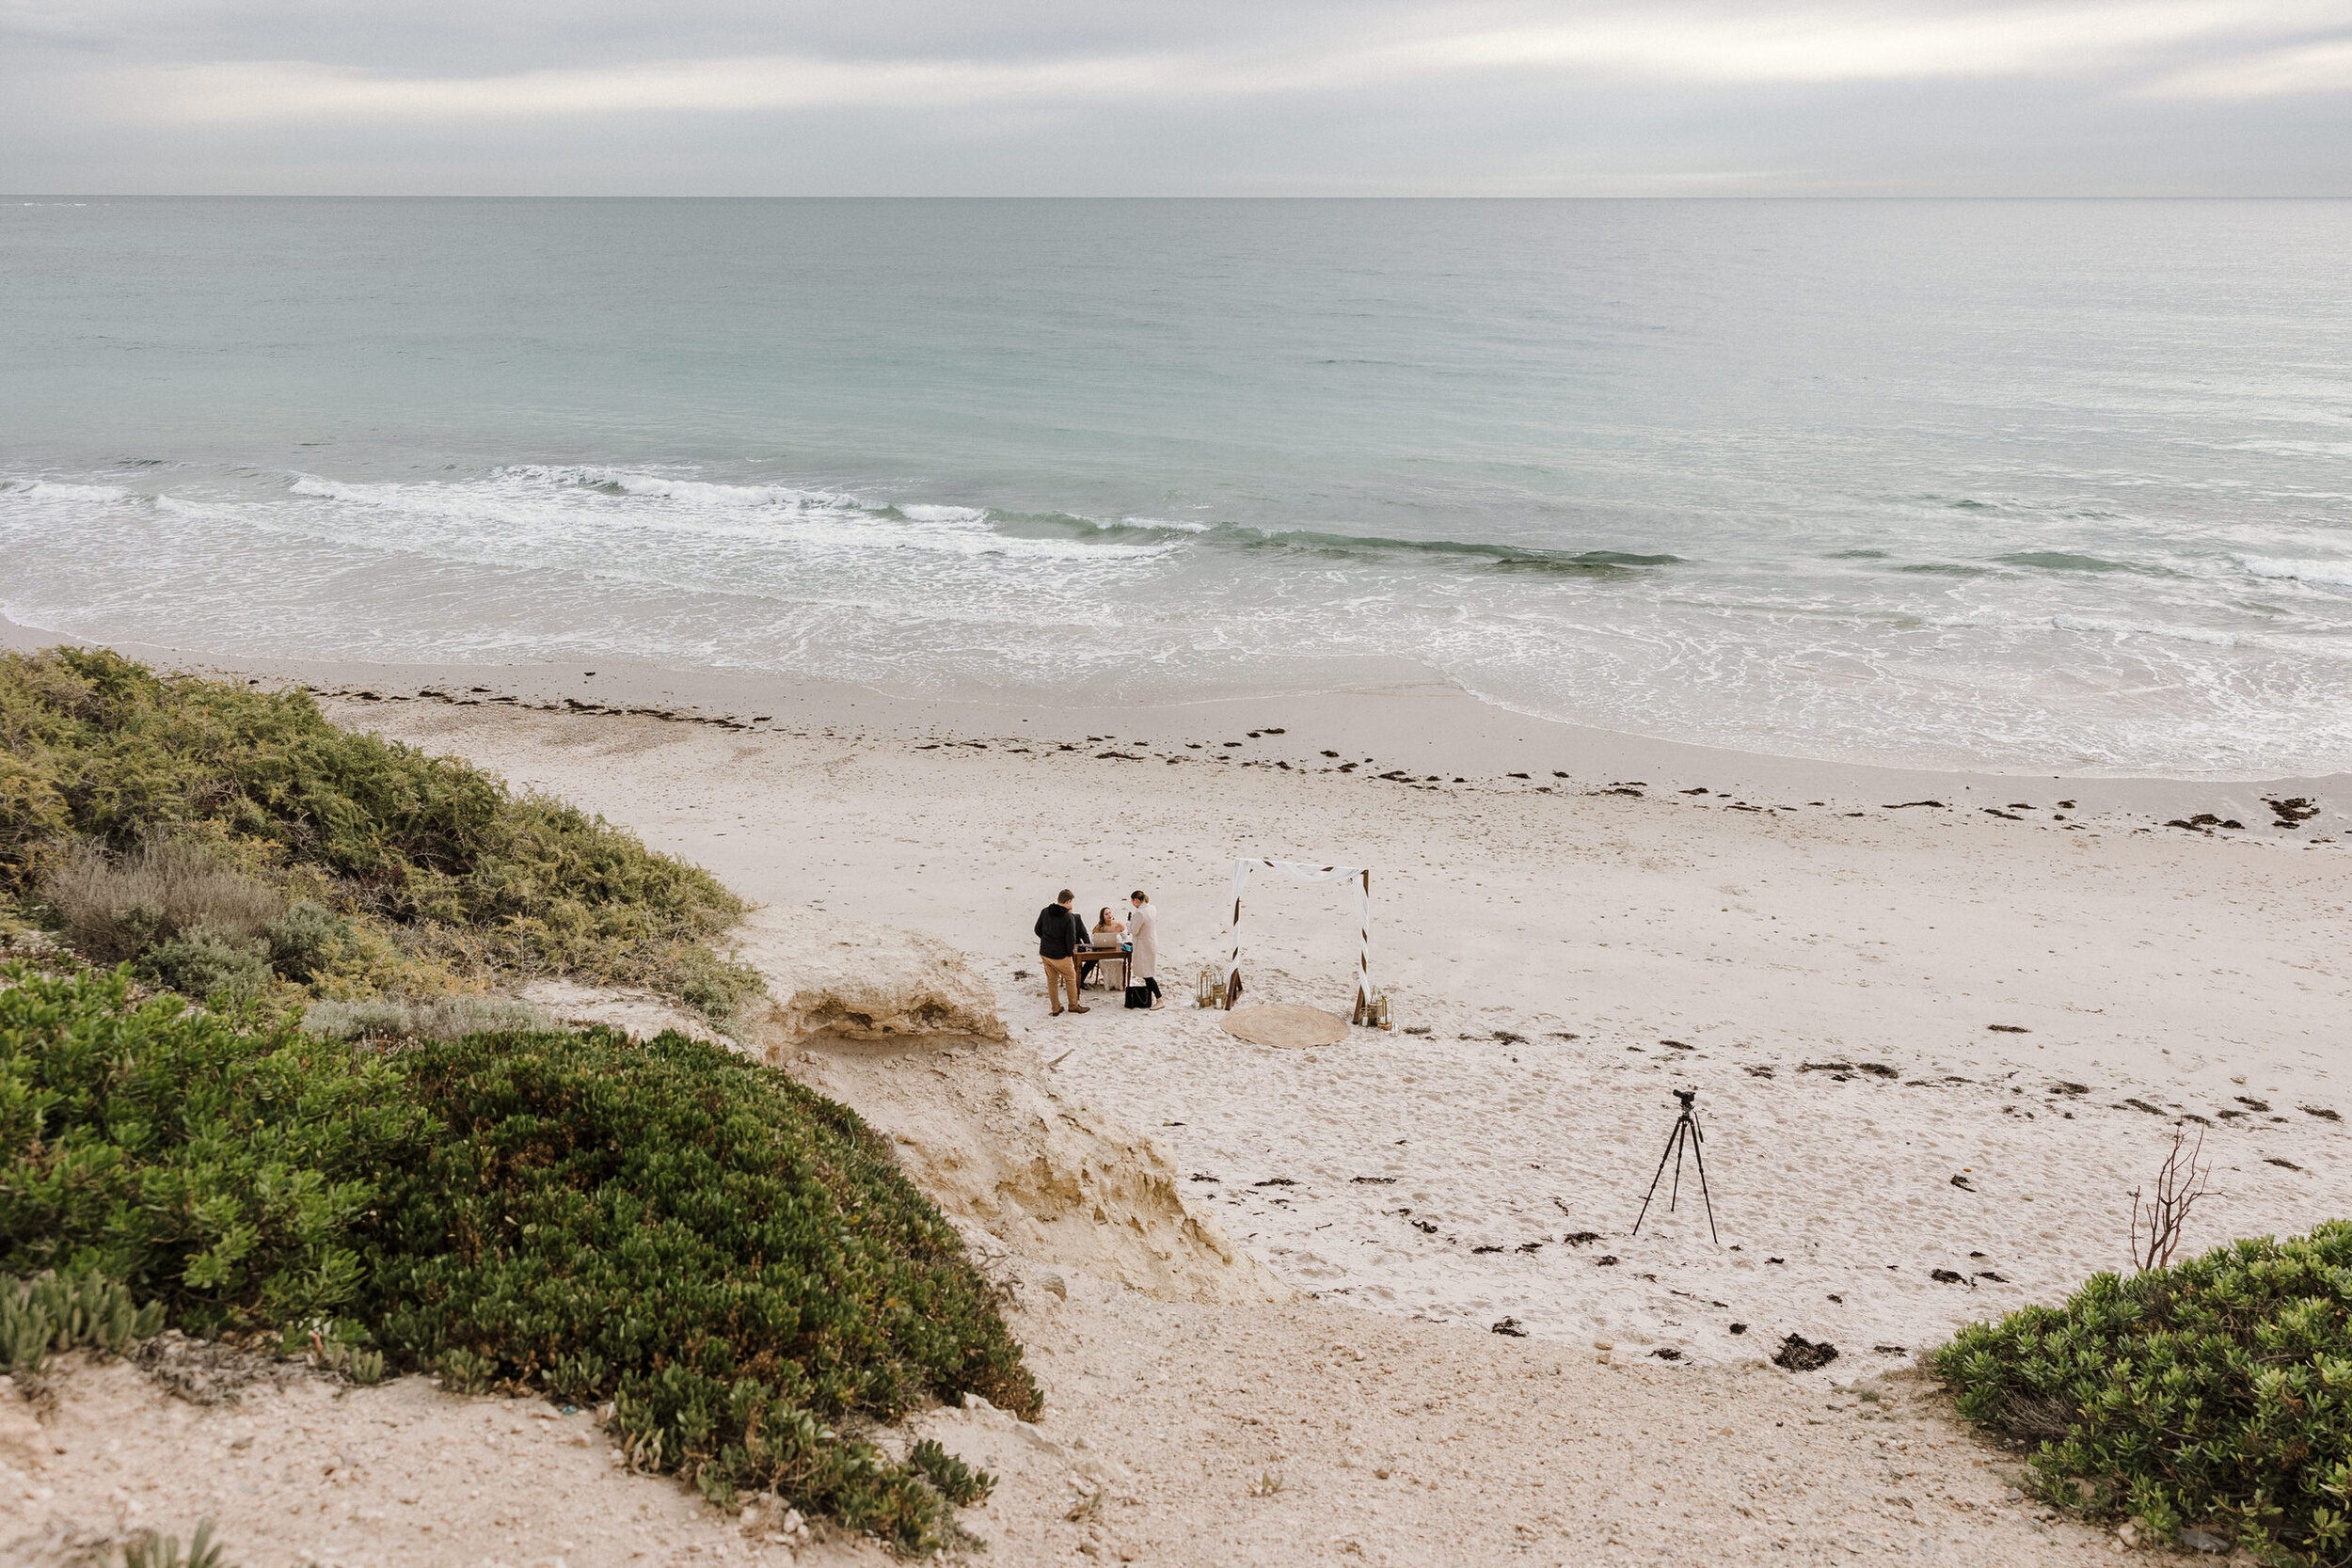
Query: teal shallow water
[2055,486]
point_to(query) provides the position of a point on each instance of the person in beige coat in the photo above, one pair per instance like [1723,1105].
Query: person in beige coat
[1143,935]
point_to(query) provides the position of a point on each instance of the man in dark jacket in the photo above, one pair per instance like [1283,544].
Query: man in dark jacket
[1061,932]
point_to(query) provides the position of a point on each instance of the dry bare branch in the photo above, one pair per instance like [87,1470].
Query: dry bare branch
[2158,1217]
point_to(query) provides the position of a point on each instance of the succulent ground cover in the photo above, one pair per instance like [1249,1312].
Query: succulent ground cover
[221,837]
[2212,1399]
[693,1242]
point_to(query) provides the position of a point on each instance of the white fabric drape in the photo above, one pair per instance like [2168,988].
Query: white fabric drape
[1306,873]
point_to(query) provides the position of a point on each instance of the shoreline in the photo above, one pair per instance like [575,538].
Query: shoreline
[1433,731]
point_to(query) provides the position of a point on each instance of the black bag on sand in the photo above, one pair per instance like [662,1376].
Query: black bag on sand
[1138,996]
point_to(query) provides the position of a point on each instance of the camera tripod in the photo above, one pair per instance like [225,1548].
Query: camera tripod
[1686,1126]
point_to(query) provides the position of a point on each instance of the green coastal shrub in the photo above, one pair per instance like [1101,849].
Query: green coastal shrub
[55,1312]
[722,1255]
[2212,1395]
[720,1252]
[303,939]
[203,962]
[100,751]
[214,1168]
[957,1482]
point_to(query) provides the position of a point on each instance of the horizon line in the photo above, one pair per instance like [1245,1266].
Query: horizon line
[27,198]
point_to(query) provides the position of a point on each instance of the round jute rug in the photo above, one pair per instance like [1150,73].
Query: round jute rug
[1281,1024]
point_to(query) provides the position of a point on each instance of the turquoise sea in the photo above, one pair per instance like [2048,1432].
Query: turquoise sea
[2051,487]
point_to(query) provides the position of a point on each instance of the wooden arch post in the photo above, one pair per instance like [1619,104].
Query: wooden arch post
[1363,954]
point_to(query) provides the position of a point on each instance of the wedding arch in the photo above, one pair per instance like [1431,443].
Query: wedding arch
[1361,875]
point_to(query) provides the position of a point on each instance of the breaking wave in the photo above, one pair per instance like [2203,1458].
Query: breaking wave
[2324,574]
[1873,646]
[50,489]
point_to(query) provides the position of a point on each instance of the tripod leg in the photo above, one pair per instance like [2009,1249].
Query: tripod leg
[1696,1139]
[1674,1194]
[1673,1141]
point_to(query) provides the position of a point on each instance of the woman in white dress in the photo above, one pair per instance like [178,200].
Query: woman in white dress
[1109,934]
[1143,935]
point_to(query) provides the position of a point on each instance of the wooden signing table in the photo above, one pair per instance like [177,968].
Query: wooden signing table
[1105,956]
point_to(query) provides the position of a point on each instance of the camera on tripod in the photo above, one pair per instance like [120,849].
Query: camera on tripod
[1686,1128]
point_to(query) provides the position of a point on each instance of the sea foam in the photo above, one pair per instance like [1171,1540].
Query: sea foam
[1729,645]
[51,489]
[2326,574]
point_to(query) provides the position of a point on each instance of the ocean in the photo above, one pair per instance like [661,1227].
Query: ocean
[2055,487]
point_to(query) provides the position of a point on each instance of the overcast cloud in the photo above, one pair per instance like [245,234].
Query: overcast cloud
[1154,97]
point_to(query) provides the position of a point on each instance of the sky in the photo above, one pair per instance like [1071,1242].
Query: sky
[1176,97]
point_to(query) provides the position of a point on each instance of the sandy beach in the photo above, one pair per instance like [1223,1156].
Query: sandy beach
[1632,943]
[1939,1026]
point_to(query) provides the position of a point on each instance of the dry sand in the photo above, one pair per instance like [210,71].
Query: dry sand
[1828,983]
[2154,974]
[300,1470]
[1179,1434]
